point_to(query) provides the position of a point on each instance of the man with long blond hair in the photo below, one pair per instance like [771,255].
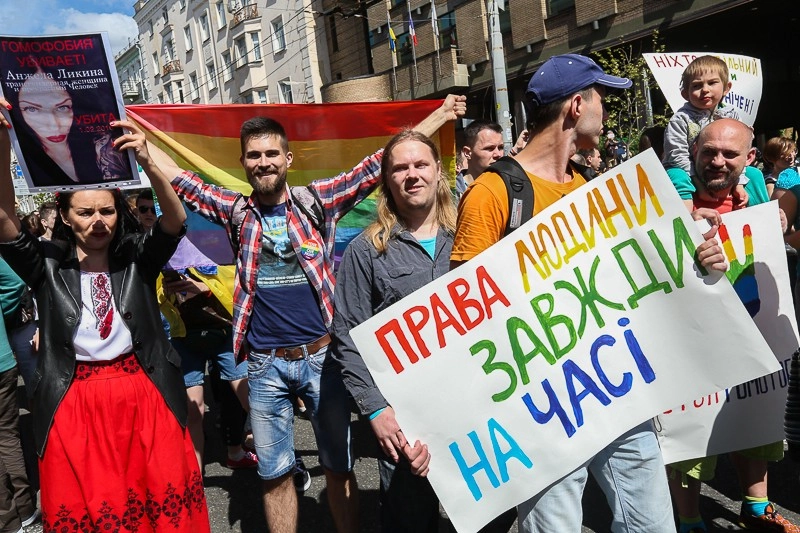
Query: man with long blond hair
[407,247]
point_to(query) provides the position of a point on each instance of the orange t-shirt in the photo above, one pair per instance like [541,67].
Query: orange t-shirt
[483,210]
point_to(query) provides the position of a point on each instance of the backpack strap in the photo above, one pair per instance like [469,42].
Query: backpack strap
[237,218]
[520,191]
[311,206]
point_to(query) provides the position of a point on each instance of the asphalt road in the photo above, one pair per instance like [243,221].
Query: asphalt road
[235,505]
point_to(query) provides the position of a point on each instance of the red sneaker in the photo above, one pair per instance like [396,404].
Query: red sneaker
[249,460]
[770,521]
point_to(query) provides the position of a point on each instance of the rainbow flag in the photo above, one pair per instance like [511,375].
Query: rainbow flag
[325,139]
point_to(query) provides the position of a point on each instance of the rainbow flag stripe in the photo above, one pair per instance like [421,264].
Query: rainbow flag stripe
[325,139]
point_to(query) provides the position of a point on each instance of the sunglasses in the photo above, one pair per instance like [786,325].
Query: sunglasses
[143,209]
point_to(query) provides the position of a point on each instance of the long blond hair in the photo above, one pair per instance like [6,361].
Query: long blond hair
[380,231]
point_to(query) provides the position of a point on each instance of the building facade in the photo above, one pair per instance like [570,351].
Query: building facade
[231,52]
[453,46]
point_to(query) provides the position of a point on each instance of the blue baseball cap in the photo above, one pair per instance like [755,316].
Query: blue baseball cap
[564,75]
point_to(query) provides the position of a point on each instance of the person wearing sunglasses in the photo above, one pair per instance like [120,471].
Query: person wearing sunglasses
[146,209]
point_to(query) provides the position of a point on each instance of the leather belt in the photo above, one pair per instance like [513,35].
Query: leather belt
[293,353]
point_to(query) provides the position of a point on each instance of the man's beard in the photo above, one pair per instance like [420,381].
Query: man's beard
[721,185]
[267,188]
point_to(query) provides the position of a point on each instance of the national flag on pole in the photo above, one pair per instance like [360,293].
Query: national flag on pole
[411,31]
[434,19]
[392,37]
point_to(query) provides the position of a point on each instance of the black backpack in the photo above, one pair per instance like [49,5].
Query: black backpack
[305,198]
[520,191]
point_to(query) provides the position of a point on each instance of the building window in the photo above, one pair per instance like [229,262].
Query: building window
[405,56]
[150,27]
[255,40]
[187,37]
[227,67]
[179,91]
[168,90]
[505,19]
[447,31]
[194,86]
[169,50]
[211,76]
[220,15]
[278,37]
[334,36]
[554,7]
[241,51]
[204,30]
[182,4]
[165,14]
[156,70]
[378,35]
[285,88]
[262,97]
[247,98]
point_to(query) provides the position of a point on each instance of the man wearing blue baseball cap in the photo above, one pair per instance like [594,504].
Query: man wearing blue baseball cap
[564,101]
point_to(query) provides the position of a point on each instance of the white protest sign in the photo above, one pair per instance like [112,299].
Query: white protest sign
[526,361]
[712,424]
[744,71]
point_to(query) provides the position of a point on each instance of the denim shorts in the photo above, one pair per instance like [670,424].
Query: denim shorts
[200,346]
[273,384]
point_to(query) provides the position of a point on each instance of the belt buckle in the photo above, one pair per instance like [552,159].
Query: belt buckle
[288,353]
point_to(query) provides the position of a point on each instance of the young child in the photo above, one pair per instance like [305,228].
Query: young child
[704,84]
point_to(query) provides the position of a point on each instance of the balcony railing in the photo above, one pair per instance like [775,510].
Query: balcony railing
[245,13]
[172,66]
[130,88]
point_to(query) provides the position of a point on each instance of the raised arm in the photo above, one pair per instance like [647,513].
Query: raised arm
[454,107]
[9,223]
[173,216]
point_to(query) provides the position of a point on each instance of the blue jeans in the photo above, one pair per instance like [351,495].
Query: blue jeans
[20,340]
[631,474]
[273,383]
[200,346]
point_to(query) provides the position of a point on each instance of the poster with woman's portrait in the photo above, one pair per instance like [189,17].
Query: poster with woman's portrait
[64,94]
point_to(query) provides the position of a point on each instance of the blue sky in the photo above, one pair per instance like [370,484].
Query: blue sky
[42,17]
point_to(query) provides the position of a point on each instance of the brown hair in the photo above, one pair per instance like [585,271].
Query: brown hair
[776,147]
[380,231]
[702,65]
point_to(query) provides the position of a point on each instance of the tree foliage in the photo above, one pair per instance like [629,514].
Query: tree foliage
[627,110]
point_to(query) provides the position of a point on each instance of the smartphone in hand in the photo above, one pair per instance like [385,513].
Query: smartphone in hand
[172,275]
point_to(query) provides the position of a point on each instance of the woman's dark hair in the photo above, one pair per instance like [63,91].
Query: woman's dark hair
[126,221]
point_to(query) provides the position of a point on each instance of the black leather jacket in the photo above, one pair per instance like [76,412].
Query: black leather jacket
[51,269]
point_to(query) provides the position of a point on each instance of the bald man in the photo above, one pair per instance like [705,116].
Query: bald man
[722,151]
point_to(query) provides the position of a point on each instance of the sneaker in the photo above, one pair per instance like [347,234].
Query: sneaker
[770,521]
[302,479]
[248,460]
[37,514]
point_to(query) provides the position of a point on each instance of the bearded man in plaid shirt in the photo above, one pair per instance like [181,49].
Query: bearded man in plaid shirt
[283,307]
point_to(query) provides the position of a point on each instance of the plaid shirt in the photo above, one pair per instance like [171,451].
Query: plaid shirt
[314,249]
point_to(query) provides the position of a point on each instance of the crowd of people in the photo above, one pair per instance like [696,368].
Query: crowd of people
[128,314]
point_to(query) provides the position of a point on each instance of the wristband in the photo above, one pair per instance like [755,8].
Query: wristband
[374,415]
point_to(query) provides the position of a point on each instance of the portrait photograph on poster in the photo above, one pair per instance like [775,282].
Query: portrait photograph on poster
[64,94]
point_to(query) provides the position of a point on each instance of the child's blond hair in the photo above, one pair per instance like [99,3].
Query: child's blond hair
[703,65]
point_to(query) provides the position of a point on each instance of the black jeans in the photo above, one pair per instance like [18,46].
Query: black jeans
[16,499]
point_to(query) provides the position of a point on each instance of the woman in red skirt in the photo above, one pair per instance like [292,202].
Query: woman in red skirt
[109,405]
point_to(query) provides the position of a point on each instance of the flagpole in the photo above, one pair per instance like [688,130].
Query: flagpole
[413,37]
[392,45]
[435,26]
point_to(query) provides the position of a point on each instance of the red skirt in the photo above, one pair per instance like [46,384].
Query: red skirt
[117,459]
